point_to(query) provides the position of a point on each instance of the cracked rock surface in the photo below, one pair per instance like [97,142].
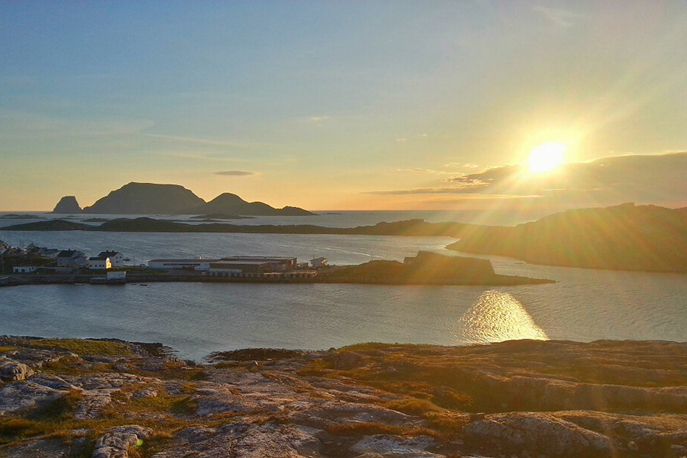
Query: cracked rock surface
[114,399]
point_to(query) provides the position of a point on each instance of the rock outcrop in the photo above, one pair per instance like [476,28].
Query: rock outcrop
[67,205]
[232,204]
[145,198]
[112,399]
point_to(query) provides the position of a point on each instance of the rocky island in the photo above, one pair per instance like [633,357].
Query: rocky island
[525,399]
[171,199]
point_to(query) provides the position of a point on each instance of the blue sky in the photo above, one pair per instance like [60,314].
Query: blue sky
[327,105]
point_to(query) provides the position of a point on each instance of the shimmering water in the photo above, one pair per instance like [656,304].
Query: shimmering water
[196,319]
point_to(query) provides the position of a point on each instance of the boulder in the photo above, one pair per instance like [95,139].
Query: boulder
[537,431]
[116,442]
[12,370]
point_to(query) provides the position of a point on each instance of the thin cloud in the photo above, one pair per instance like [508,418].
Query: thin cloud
[236,173]
[205,141]
[559,16]
[319,119]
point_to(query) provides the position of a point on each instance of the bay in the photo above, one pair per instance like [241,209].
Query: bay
[196,319]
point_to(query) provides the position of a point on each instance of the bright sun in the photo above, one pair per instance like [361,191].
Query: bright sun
[546,157]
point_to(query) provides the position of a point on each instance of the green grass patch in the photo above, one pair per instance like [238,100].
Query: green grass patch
[81,347]
[414,406]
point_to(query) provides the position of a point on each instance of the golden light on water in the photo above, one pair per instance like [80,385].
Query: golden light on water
[497,317]
[546,157]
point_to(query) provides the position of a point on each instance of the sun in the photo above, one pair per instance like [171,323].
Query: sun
[546,157]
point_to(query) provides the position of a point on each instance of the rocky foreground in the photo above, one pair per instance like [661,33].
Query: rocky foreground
[85,398]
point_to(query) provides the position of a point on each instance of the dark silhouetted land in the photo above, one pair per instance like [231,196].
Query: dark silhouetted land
[624,237]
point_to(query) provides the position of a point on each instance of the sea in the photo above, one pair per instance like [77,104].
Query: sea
[196,319]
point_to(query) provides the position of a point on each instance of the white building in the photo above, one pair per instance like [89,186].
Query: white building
[99,263]
[24,269]
[116,258]
[316,263]
[185,264]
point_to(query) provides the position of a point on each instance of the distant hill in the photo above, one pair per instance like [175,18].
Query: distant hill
[624,237]
[49,225]
[172,199]
[67,205]
[232,204]
[416,227]
[145,198]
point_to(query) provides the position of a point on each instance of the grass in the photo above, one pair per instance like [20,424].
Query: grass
[81,347]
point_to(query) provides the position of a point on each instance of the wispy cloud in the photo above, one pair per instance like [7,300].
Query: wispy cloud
[199,157]
[19,124]
[210,142]
[236,173]
[558,16]
[319,119]
[656,179]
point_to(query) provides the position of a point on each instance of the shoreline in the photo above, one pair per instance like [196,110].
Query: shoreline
[326,278]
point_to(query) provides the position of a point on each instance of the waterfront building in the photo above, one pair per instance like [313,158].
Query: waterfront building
[71,258]
[185,264]
[116,258]
[99,263]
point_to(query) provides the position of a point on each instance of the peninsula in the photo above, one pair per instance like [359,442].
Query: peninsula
[106,399]
[623,237]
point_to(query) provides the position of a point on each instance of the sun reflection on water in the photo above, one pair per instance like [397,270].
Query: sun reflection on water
[496,317]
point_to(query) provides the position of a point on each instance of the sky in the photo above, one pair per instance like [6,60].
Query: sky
[345,104]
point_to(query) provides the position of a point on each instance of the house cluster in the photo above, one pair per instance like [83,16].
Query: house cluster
[243,266]
[32,258]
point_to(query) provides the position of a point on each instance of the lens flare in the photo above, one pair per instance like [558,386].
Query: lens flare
[545,158]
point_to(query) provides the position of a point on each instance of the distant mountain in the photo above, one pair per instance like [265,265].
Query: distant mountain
[624,237]
[145,199]
[67,205]
[172,199]
[232,204]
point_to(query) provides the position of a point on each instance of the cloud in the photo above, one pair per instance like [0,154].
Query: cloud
[559,16]
[20,125]
[236,173]
[211,142]
[318,119]
[644,179]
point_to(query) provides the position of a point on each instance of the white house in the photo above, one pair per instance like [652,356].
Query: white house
[71,258]
[99,263]
[24,269]
[116,258]
[316,263]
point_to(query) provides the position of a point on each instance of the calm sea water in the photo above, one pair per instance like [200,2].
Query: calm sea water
[196,319]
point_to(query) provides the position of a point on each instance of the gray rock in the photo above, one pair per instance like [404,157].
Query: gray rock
[24,394]
[539,431]
[11,370]
[384,445]
[116,442]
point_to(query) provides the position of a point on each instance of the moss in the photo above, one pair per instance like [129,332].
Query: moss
[60,409]
[371,429]
[414,406]
[81,347]
[16,428]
